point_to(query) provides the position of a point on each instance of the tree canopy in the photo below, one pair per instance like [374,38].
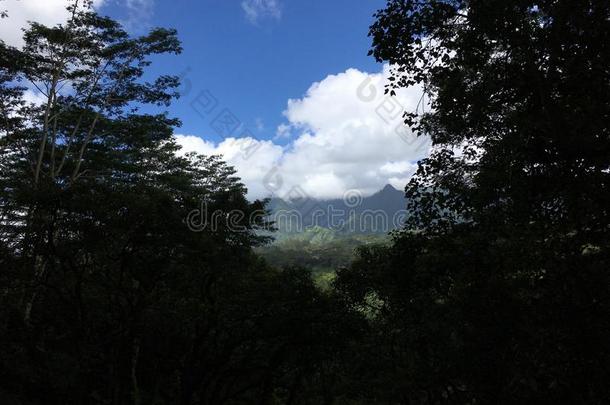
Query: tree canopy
[497,290]
[107,295]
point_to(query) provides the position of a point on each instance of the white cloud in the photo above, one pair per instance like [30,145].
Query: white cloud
[52,12]
[251,167]
[139,14]
[282,131]
[397,167]
[348,135]
[48,12]
[34,97]
[258,9]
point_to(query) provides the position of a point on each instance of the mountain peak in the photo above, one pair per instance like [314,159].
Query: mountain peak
[387,191]
[389,187]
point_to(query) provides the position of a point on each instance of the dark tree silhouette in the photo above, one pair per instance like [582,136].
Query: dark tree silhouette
[498,289]
[106,295]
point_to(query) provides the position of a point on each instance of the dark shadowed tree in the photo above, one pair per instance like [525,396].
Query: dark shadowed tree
[125,277]
[498,290]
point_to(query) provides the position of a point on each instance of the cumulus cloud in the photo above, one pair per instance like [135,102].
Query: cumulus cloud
[282,131]
[252,158]
[257,10]
[139,14]
[34,97]
[48,12]
[347,134]
[52,12]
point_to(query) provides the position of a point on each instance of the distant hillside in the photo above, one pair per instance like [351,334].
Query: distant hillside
[379,213]
[324,235]
[321,250]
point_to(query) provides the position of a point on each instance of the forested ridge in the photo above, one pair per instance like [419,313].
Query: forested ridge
[495,291]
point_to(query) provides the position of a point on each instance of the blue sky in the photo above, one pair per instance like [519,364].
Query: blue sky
[254,67]
[282,89]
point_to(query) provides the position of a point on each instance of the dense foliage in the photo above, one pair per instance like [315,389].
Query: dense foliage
[106,295]
[498,290]
[320,250]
